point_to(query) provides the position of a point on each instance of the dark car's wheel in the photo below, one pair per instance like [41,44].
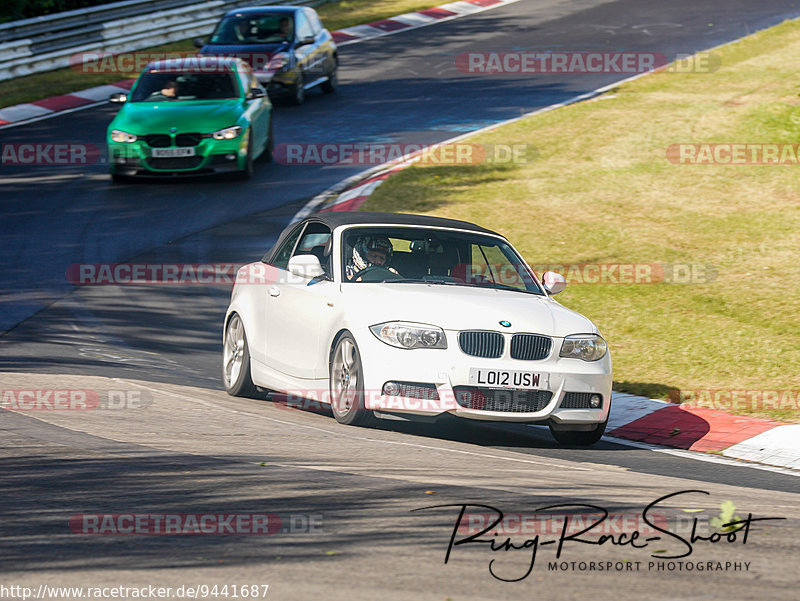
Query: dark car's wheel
[347,384]
[119,179]
[298,93]
[330,84]
[579,438]
[236,360]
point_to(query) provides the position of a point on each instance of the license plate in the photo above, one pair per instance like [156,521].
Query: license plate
[504,378]
[163,153]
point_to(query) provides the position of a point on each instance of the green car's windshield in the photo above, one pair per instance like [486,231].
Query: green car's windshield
[430,256]
[259,29]
[171,86]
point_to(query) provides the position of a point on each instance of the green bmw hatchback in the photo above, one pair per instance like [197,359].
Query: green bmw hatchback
[191,116]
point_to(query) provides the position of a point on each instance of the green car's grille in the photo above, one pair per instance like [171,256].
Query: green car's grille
[188,139]
[164,140]
[175,162]
[158,140]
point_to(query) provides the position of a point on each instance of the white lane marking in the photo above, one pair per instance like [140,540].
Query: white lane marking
[626,408]
[22,111]
[41,178]
[460,13]
[778,446]
[461,8]
[414,19]
[100,93]
[343,434]
[701,456]
[362,31]
[50,115]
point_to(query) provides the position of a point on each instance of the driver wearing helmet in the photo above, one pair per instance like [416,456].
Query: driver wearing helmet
[369,251]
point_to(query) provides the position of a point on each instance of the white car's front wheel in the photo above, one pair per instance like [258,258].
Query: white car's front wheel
[579,438]
[236,360]
[347,384]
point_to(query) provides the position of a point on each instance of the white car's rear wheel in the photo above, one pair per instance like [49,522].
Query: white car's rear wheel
[347,384]
[236,360]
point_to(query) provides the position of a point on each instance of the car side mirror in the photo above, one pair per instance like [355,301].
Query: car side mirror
[553,282]
[118,97]
[304,41]
[305,266]
[198,42]
[256,93]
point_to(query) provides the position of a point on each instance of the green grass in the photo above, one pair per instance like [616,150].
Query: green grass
[335,15]
[601,190]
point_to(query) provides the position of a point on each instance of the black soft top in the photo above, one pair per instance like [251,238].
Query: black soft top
[335,219]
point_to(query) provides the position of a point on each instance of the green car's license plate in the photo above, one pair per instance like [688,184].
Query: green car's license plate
[162,153]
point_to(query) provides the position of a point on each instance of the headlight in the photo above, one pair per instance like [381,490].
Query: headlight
[229,133]
[122,136]
[278,62]
[589,347]
[409,335]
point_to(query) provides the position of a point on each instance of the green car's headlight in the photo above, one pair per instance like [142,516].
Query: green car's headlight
[589,347]
[229,133]
[122,136]
[409,335]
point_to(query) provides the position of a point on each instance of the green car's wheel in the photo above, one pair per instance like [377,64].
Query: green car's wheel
[270,146]
[248,170]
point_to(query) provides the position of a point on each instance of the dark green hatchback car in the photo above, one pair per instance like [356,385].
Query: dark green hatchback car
[191,116]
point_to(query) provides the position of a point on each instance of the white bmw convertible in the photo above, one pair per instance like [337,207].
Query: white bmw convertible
[379,313]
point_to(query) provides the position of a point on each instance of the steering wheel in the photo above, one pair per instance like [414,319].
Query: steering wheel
[372,269]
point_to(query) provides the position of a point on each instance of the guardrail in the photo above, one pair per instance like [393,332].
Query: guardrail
[47,43]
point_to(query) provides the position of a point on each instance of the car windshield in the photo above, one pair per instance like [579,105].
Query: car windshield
[241,29]
[432,256]
[171,86]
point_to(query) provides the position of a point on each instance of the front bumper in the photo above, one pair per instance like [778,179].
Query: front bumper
[278,82]
[211,156]
[448,369]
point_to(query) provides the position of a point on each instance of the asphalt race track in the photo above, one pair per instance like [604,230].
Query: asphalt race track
[193,449]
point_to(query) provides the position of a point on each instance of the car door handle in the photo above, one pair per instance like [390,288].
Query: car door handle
[274,291]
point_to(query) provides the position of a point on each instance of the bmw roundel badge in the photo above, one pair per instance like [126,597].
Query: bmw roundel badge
[505,324]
